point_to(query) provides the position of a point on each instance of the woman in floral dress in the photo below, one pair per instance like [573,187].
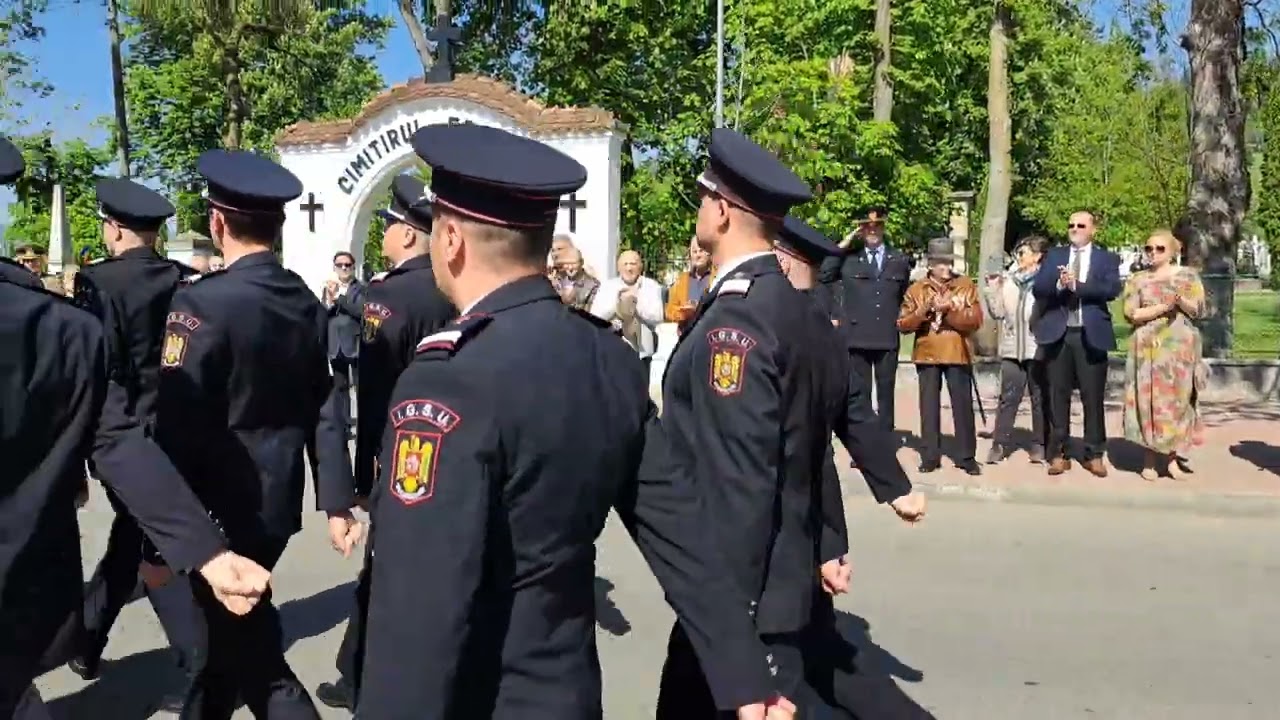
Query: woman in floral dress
[1164,368]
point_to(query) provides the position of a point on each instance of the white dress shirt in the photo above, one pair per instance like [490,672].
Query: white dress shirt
[648,308]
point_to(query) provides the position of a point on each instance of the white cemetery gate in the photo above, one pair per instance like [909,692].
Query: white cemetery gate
[346,166]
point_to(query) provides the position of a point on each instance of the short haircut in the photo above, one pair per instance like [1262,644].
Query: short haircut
[253,227]
[510,246]
[343,253]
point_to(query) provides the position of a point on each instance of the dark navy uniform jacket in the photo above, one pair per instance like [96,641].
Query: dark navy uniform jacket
[869,297]
[56,412]
[131,293]
[510,437]
[400,307]
[748,406]
[244,377]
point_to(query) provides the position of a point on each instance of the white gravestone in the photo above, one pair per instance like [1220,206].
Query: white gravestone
[345,166]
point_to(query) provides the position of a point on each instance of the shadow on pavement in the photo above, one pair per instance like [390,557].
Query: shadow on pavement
[1264,456]
[129,688]
[315,615]
[1125,455]
[608,616]
[864,682]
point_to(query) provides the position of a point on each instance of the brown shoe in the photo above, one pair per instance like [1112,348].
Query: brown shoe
[1059,466]
[1096,466]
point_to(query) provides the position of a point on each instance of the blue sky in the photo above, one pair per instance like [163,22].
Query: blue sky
[73,57]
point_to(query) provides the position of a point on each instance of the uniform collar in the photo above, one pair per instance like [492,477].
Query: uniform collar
[417,262]
[262,257]
[520,291]
[144,251]
[727,268]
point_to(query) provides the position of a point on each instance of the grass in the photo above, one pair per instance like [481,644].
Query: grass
[1257,326]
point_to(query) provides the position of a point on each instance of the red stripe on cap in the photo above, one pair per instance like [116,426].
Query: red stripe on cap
[489,219]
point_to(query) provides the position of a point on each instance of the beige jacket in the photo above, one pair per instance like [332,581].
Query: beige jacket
[1015,309]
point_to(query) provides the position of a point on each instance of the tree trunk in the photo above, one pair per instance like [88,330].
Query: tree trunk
[117,86]
[418,34]
[882,104]
[1219,169]
[995,217]
[235,96]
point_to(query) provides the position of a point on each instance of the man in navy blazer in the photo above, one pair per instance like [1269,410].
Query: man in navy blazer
[1073,329]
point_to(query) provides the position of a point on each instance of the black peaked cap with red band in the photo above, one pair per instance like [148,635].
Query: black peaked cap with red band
[496,177]
[131,204]
[11,163]
[798,238]
[410,204]
[751,177]
[247,182]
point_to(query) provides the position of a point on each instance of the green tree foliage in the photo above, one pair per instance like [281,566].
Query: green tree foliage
[74,164]
[1119,148]
[19,28]
[177,89]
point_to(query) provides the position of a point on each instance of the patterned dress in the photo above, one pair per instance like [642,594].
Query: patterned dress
[1164,367]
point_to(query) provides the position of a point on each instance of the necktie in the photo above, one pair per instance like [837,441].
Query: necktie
[873,257]
[1075,273]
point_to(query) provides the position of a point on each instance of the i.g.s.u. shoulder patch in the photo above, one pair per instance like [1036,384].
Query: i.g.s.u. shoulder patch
[729,350]
[177,338]
[446,341]
[420,427]
[374,315]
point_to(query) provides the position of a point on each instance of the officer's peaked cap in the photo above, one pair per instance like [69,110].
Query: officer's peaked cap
[751,177]
[131,204]
[247,182]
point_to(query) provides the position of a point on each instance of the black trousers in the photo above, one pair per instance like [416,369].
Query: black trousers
[683,693]
[344,371]
[960,388]
[1072,365]
[245,657]
[346,661]
[1018,378]
[879,370]
[114,584]
[28,706]
[831,669]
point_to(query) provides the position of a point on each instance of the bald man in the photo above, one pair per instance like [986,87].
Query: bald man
[633,303]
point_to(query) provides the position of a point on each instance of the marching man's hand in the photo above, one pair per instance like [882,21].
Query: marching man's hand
[779,708]
[836,575]
[910,507]
[237,582]
[345,532]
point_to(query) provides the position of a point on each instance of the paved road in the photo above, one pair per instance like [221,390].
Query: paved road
[988,611]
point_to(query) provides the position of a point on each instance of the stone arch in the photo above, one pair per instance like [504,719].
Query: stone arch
[345,165]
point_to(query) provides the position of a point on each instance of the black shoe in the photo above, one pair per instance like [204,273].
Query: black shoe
[173,703]
[928,466]
[86,669]
[969,466]
[997,454]
[337,694]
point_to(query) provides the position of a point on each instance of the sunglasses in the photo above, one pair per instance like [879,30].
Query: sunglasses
[343,266]
[1077,226]
[1149,249]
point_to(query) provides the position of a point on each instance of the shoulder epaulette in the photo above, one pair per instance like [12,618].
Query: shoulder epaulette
[379,277]
[99,260]
[593,319]
[736,285]
[193,279]
[448,339]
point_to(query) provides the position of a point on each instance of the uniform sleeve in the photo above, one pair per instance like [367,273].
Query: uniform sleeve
[736,388]
[334,482]
[442,472]
[833,542]
[142,477]
[869,445]
[661,510]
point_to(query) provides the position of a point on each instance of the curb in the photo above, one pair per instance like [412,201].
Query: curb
[1256,505]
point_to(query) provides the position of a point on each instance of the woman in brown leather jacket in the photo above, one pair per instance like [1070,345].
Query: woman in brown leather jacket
[942,309]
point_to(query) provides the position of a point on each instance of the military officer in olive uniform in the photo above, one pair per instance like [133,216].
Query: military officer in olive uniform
[401,306]
[244,379]
[509,438]
[747,411]
[869,280]
[130,293]
[63,408]
[829,663]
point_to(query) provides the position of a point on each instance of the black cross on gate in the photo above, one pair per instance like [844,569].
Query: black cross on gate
[445,36]
[573,203]
[311,207]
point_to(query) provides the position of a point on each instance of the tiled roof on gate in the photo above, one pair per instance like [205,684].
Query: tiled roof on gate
[494,94]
